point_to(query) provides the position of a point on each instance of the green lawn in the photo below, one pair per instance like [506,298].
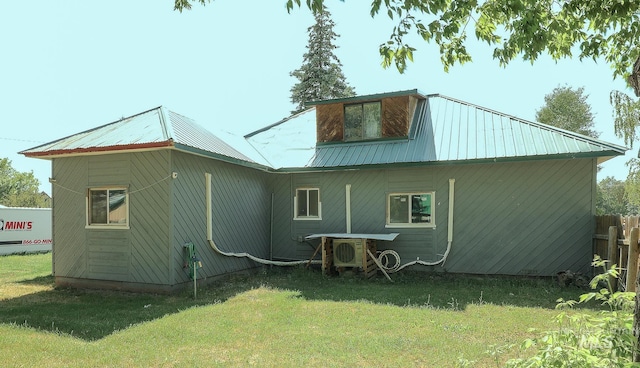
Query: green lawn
[277,317]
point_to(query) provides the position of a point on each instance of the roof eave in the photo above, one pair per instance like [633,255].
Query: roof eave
[219,157]
[566,156]
[377,96]
[97,150]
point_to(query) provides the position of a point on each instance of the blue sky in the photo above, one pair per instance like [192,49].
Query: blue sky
[69,66]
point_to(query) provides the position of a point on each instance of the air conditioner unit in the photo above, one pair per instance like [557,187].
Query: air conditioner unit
[348,252]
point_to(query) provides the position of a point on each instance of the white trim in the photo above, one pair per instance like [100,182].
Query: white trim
[107,226]
[348,206]
[295,205]
[432,220]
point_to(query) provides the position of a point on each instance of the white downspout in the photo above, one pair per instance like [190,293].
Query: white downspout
[450,220]
[348,206]
[442,260]
[213,245]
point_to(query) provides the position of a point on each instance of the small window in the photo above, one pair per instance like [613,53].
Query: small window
[410,210]
[307,204]
[108,207]
[362,121]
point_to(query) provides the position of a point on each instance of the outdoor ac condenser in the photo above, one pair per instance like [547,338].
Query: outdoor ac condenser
[348,252]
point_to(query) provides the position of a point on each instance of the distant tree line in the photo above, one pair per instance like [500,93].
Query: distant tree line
[20,189]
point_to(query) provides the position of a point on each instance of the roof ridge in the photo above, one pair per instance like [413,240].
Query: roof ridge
[165,123]
[284,120]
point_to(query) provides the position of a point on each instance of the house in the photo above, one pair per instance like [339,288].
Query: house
[128,196]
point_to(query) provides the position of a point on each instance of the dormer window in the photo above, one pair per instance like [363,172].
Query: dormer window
[366,118]
[362,121]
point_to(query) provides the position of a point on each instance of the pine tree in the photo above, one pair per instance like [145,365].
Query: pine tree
[320,76]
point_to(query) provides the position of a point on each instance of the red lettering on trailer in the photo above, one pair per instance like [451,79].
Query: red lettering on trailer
[18,225]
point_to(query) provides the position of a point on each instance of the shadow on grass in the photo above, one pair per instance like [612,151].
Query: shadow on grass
[39,281]
[93,314]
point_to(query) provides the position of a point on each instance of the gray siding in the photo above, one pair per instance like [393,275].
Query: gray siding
[139,254]
[533,218]
[69,206]
[241,207]
[150,218]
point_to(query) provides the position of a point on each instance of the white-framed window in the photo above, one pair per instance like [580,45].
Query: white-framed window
[362,121]
[414,209]
[307,205]
[108,207]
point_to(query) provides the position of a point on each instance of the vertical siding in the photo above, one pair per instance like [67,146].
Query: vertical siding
[532,218]
[241,207]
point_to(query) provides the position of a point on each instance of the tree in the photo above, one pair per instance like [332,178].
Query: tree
[568,109]
[515,28]
[612,198]
[19,189]
[320,77]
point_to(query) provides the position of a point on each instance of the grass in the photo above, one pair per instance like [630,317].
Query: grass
[278,317]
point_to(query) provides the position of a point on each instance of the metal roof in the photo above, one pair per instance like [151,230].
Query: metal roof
[155,128]
[288,143]
[377,96]
[446,130]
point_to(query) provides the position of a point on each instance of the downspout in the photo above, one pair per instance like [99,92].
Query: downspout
[348,207]
[442,260]
[271,229]
[213,245]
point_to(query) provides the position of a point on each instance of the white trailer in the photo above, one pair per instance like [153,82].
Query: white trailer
[25,230]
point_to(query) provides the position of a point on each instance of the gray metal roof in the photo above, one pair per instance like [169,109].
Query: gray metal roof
[290,142]
[155,128]
[444,131]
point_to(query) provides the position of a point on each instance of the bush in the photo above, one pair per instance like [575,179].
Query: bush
[604,339]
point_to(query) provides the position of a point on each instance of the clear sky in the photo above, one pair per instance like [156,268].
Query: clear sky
[69,66]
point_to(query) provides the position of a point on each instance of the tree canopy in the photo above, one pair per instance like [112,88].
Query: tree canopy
[583,29]
[19,189]
[567,108]
[320,77]
[608,29]
[613,199]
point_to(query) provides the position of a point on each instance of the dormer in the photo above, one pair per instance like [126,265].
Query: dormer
[366,118]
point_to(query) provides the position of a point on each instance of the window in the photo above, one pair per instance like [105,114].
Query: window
[108,207]
[362,121]
[307,204]
[410,210]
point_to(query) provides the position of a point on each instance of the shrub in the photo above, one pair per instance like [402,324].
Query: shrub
[603,339]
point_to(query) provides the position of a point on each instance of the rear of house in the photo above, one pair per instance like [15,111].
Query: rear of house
[123,211]
[524,193]
[467,188]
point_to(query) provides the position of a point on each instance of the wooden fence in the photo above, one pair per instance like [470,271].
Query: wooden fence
[612,239]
